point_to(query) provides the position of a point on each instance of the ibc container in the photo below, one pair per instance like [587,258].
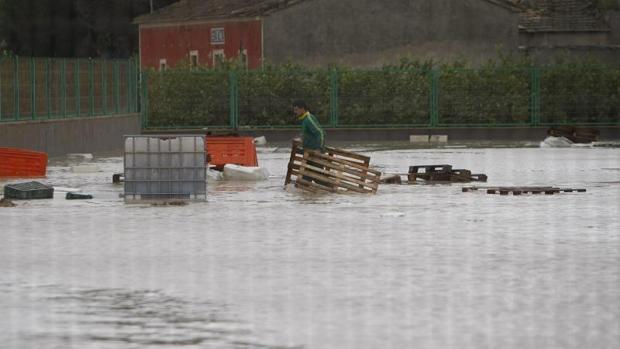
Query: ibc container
[165,167]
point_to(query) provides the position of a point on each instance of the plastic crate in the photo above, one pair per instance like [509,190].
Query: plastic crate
[28,191]
[22,163]
[165,167]
[231,150]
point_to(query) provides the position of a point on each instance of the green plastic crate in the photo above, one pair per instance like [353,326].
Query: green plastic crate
[28,191]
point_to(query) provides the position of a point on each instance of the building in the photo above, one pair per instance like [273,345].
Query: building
[368,32]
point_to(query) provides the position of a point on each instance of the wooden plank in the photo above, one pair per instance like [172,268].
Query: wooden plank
[346,154]
[342,177]
[343,168]
[345,162]
[307,172]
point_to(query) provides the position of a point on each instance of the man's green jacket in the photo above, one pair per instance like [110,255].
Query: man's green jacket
[313,134]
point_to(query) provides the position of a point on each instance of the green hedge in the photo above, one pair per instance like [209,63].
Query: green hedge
[485,96]
[184,98]
[265,96]
[579,94]
[505,93]
[384,97]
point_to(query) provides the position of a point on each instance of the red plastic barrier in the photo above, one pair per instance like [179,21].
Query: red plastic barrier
[22,163]
[231,150]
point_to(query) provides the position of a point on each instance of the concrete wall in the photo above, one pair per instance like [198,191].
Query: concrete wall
[372,33]
[59,137]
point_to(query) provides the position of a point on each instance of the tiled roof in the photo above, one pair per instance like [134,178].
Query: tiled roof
[560,16]
[187,10]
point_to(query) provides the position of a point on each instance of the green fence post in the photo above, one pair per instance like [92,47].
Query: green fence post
[145,100]
[63,89]
[117,90]
[104,88]
[78,92]
[333,98]
[434,107]
[134,85]
[535,97]
[33,88]
[233,102]
[128,85]
[48,89]
[91,86]
[16,86]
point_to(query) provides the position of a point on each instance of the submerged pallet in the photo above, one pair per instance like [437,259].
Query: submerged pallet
[333,170]
[523,190]
[435,174]
[443,173]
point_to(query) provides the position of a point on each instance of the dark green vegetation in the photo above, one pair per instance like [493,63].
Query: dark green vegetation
[505,92]
[72,28]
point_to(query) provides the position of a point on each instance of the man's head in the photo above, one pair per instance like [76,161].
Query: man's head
[299,107]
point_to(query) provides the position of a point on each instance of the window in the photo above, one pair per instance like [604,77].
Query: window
[193,58]
[217,36]
[218,57]
[162,64]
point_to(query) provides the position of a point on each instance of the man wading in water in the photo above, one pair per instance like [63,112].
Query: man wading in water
[313,136]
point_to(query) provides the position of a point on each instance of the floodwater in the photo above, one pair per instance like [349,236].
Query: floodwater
[415,266]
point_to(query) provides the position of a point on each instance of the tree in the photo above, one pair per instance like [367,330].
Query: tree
[72,28]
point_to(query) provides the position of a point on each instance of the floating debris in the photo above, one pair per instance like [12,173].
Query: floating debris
[443,173]
[575,134]
[76,196]
[6,203]
[118,178]
[170,203]
[523,190]
[391,179]
[333,171]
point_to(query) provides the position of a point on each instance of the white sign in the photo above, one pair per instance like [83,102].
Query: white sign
[217,36]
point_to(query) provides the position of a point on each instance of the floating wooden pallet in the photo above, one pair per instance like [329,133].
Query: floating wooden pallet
[523,190]
[443,173]
[434,174]
[333,170]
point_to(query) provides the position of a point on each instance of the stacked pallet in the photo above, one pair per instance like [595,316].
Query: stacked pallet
[332,170]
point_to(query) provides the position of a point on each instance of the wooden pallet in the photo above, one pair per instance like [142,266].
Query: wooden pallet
[443,173]
[333,170]
[523,190]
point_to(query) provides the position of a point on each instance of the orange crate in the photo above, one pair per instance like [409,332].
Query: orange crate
[22,163]
[231,150]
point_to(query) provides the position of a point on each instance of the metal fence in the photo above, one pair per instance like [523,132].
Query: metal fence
[56,88]
[449,97]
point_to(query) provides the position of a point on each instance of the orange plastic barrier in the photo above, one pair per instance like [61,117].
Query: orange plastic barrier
[231,150]
[22,163]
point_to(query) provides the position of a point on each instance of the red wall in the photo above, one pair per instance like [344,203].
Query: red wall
[174,43]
